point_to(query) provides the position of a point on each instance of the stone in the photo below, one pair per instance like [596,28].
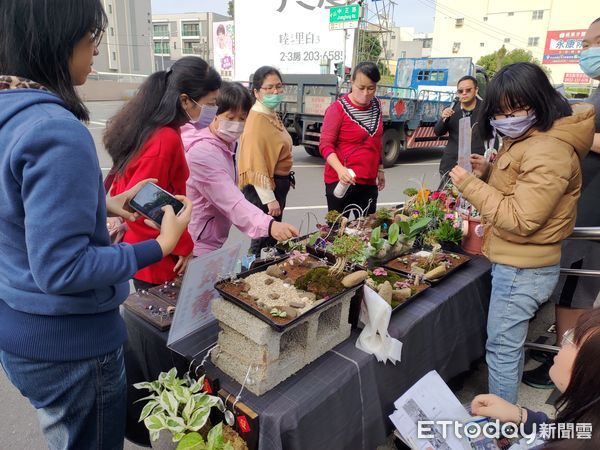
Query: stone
[245,286]
[273,296]
[275,271]
[298,305]
[355,278]
[386,291]
[269,281]
[291,312]
[289,281]
[399,295]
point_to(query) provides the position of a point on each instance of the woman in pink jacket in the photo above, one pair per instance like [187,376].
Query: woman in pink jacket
[212,187]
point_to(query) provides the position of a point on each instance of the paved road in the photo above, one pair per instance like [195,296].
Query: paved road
[19,428]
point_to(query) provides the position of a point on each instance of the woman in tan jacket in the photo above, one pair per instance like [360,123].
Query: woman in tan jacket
[265,159]
[527,200]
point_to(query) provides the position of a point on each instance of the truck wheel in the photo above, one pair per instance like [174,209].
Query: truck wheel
[312,150]
[391,146]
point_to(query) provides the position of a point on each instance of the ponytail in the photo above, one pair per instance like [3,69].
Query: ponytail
[157,105]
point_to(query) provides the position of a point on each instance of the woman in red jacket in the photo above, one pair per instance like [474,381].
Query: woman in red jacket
[351,142]
[144,141]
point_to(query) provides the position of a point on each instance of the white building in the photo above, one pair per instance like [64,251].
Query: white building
[179,35]
[551,29]
[127,43]
[405,42]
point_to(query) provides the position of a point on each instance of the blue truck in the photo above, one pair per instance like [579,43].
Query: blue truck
[422,88]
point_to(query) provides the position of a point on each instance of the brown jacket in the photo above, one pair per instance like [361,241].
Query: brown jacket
[528,204]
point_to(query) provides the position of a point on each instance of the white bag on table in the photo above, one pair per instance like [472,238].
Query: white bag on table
[374,339]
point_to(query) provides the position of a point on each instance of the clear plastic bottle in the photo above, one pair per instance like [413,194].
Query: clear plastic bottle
[341,188]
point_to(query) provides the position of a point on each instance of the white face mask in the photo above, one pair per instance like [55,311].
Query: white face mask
[229,130]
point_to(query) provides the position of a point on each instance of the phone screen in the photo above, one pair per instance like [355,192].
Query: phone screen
[150,200]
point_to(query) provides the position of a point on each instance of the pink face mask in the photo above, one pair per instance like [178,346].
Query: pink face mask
[229,130]
[363,99]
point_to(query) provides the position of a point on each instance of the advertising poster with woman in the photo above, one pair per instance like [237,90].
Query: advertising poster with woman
[224,48]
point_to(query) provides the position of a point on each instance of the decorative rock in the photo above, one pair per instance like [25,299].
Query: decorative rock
[386,291]
[290,312]
[269,281]
[399,295]
[273,296]
[355,278]
[289,281]
[245,287]
[275,271]
[298,305]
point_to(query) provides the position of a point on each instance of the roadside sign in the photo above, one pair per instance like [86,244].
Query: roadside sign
[344,17]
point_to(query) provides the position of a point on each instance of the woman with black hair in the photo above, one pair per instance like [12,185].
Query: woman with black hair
[351,143]
[527,202]
[576,374]
[144,141]
[265,159]
[218,203]
[61,333]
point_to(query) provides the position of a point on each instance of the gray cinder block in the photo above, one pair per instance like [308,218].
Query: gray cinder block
[245,340]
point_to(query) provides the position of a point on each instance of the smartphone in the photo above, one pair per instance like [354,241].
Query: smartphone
[150,200]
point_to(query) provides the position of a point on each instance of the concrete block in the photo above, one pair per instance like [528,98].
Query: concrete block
[245,341]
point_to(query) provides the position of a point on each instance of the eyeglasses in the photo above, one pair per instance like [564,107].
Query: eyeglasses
[96,37]
[568,338]
[278,87]
[511,114]
[464,91]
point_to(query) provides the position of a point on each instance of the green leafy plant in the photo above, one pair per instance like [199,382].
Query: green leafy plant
[412,228]
[214,440]
[180,408]
[345,248]
[331,217]
[393,233]
[376,241]
[447,232]
[410,192]
[312,239]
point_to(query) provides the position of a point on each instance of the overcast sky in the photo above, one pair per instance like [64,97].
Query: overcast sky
[408,13]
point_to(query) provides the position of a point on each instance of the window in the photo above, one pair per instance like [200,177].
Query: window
[114,56]
[537,15]
[175,45]
[161,48]
[506,40]
[161,30]
[112,31]
[190,29]
[456,47]
[403,54]
[431,75]
[511,14]
[533,41]
[393,36]
[427,42]
[482,44]
[109,8]
[459,22]
[191,48]
[485,19]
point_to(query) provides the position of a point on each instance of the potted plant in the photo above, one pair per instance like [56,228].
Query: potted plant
[346,249]
[177,415]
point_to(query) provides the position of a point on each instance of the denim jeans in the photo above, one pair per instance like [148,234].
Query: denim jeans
[80,404]
[516,296]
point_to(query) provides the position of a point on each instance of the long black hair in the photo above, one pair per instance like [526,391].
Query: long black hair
[157,104]
[518,85]
[37,38]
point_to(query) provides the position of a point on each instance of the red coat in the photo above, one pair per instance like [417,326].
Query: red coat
[161,157]
[357,147]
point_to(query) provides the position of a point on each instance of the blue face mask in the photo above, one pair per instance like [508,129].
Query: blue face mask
[589,61]
[513,127]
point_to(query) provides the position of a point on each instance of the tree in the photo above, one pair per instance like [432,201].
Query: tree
[493,62]
[230,10]
[369,47]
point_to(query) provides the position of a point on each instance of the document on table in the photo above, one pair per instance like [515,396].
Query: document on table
[430,399]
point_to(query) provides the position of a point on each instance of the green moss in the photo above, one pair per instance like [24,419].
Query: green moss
[320,282]
[391,277]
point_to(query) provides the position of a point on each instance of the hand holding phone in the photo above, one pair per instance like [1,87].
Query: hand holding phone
[151,199]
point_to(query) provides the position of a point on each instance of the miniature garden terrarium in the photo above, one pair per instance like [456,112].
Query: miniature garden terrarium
[431,265]
[286,290]
[396,289]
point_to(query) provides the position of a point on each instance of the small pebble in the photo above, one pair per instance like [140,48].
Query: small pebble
[298,305]
[269,281]
[288,281]
[273,296]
